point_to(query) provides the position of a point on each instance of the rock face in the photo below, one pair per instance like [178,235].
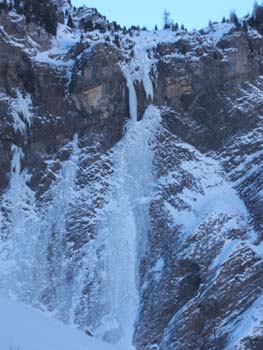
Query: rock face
[98,89]
[131,181]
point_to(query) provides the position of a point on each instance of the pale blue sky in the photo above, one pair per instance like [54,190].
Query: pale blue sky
[191,13]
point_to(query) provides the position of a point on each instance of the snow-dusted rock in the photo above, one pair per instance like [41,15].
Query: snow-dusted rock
[130,181]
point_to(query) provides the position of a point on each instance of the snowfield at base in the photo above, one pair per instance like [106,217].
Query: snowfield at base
[24,329]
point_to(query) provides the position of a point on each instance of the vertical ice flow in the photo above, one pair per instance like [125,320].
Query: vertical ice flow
[21,112]
[125,221]
[18,205]
[138,69]
[122,231]
[132,94]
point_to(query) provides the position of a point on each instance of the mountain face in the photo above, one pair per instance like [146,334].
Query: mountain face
[131,180]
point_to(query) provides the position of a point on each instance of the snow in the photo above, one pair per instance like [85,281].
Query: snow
[209,199]
[248,324]
[26,329]
[229,247]
[65,39]
[218,30]
[157,269]
[10,39]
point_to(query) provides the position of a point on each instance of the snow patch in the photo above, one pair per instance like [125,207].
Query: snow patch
[249,324]
[26,329]
[157,269]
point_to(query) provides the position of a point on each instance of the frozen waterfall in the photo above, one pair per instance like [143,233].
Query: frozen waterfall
[35,267]
[123,228]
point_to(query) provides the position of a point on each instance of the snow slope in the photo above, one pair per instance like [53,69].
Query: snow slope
[25,329]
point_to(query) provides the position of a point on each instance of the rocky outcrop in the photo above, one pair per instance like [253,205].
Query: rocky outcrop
[201,91]
[98,90]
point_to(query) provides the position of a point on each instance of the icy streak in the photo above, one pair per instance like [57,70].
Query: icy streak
[139,70]
[124,228]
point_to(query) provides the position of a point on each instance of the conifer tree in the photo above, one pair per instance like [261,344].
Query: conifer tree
[234,19]
[117,40]
[88,26]
[258,16]
[3,5]
[50,19]
[70,22]
[17,4]
[166,20]
[244,26]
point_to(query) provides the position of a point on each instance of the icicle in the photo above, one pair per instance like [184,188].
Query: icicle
[18,204]
[132,95]
[138,69]
[145,70]
[17,157]
[21,107]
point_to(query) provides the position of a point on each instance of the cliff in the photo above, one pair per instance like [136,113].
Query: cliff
[131,180]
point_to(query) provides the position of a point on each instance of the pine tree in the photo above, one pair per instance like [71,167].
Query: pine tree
[234,19]
[100,27]
[255,9]
[88,26]
[28,10]
[50,19]
[17,5]
[115,26]
[70,22]
[3,5]
[166,20]
[42,12]
[117,40]
[224,19]
[258,17]
[244,26]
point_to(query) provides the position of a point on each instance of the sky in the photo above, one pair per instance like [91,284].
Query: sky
[191,13]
